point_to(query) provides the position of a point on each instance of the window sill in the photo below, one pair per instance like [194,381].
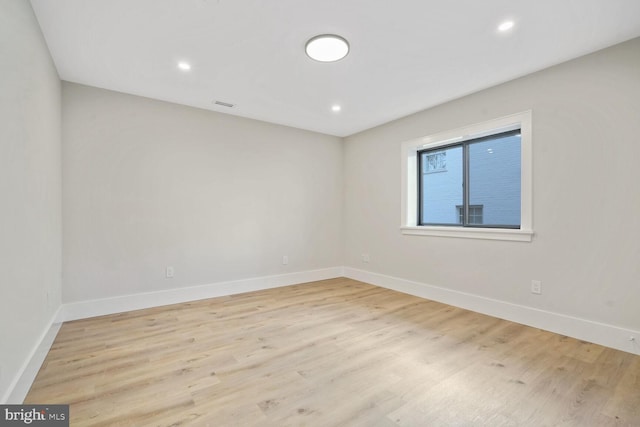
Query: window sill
[470,233]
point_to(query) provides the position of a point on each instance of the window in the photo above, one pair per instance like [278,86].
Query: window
[472,182]
[435,162]
[481,188]
[475,214]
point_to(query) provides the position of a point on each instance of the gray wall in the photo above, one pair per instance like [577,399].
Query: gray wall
[149,184]
[30,218]
[586,205]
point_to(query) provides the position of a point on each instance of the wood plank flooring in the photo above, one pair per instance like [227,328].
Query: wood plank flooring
[331,353]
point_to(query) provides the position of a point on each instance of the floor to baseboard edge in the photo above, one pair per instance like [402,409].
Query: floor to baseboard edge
[583,329]
[84,309]
[23,379]
[124,303]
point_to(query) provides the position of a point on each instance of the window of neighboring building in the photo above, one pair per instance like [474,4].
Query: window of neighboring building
[473,182]
[435,162]
[475,214]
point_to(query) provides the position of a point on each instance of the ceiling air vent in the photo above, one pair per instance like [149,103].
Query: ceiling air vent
[224,104]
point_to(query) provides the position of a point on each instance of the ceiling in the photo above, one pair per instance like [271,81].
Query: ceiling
[405,55]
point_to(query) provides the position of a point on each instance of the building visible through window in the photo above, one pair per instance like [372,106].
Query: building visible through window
[479,183]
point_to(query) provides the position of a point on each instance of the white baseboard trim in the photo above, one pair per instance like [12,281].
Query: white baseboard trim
[23,379]
[582,329]
[120,304]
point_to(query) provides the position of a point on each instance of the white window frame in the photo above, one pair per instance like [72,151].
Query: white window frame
[409,221]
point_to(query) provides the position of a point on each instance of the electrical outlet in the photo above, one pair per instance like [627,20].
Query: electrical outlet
[170,272]
[536,287]
[365,258]
[285,260]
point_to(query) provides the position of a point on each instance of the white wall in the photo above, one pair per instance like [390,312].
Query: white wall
[586,250]
[149,184]
[30,217]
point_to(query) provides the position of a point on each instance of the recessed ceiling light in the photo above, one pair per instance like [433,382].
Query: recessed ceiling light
[505,26]
[184,66]
[336,108]
[327,48]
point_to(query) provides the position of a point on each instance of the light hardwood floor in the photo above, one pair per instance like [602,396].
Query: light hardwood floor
[331,353]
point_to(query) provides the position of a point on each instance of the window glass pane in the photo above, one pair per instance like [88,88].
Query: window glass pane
[494,180]
[475,214]
[441,186]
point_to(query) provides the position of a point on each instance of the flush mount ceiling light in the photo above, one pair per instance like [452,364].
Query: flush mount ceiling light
[327,48]
[336,108]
